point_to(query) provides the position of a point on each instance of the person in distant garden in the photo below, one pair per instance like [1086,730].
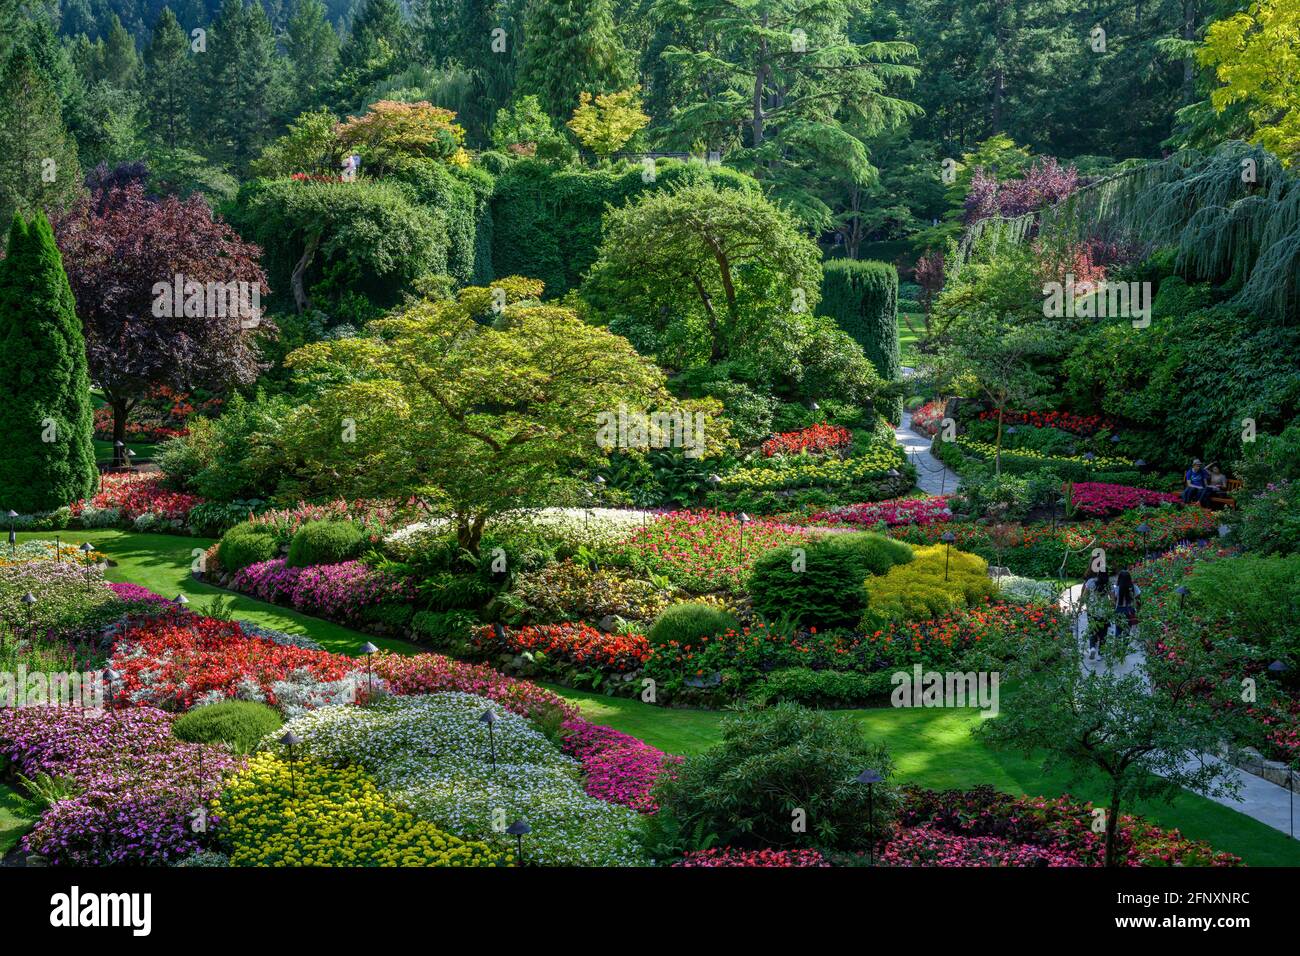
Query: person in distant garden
[1196,483]
[1218,482]
[1096,588]
[1126,595]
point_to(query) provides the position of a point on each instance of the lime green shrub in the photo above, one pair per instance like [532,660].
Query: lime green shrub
[689,622]
[918,591]
[819,584]
[325,542]
[245,544]
[240,723]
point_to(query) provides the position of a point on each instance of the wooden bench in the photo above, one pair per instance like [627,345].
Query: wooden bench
[1227,500]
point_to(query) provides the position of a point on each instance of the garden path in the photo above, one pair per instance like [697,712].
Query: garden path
[932,476]
[1257,798]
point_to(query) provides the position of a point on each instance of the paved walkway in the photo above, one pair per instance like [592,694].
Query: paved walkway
[1257,797]
[932,476]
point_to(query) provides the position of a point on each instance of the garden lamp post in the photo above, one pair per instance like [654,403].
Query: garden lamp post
[291,740]
[1140,465]
[29,600]
[86,548]
[13,530]
[870,778]
[180,600]
[744,519]
[947,538]
[1181,591]
[713,481]
[112,676]
[1089,457]
[369,649]
[58,550]
[118,457]
[1144,529]
[489,718]
[1277,669]
[517,830]
[129,455]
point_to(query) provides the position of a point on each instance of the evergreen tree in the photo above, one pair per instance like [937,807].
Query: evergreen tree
[168,80]
[45,409]
[570,48]
[313,48]
[378,36]
[238,74]
[121,63]
[38,159]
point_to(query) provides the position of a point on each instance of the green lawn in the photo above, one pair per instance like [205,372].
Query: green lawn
[907,338]
[933,748]
[16,817]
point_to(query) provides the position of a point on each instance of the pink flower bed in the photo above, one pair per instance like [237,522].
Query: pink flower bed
[433,673]
[134,495]
[134,592]
[618,768]
[729,856]
[918,511]
[336,591]
[928,846]
[375,516]
[1099,498]
[927,418]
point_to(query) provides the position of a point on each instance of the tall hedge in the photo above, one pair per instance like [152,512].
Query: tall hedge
[862,297]
[45,408]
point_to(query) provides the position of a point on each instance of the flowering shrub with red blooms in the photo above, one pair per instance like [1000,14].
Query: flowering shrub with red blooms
[616,768]
[134,592]
[314,178]
[375,516]
[1100,498]
[161,414]
[732,856]
[146,431]
[336,591]
[1082,425]
[134,494]
[173,660]
[433,673]
[898,511]
[137,783]
[701,550]
[573,643]
[927,846]
[814,439]
[928,418]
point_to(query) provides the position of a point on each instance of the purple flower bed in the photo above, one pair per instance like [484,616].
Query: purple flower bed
[139,785]
[134,592]
[618,768]
[336,591]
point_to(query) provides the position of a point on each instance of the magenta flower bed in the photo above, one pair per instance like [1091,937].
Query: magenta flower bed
[927,846]
[918,511]
[618,768]
[1099,498]
[139,784]
[729,856]
[336,591]
[134,592]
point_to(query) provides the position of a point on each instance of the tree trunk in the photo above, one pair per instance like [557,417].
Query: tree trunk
[1189,67]
[301,302]
[1112,830]
[121,409]
[469,532]
[997,454]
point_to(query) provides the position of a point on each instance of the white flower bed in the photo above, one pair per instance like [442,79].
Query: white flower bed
[430,753]
[581,525]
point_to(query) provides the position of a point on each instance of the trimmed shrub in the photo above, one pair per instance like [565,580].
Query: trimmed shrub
[820,584]
[862,297]
[921,590]
[1262,594]
[689,622]
[239,723]
[802,685]
[325,542]
[245,544]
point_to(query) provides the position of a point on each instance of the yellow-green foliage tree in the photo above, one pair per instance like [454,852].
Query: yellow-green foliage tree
[391,134]
[606,122]
[1256,56]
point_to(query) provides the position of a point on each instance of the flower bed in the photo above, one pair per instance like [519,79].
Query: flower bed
[434,673]
[815,439]
[799,472]
[730,856]
[316,815]
[1105,500]
[126,591]
[928,846]
[336,591]
[375,516]
[1082,425]
[137,786]
[901,511]
[41,551]
[616,767]
[928,418]
[578,644]
[1032,458]
[138,499]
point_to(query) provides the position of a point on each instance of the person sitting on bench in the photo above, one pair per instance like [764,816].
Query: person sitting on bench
[1196,483]
[1218,483]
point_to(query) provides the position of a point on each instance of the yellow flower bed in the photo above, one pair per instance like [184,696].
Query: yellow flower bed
[339,818]
[798,473]
[983,449]
[33,551]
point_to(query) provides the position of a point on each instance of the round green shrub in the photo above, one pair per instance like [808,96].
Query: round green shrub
[245,544]
[689,622]
[325,542]
[819,584]
[239,723]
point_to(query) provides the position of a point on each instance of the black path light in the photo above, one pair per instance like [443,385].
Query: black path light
[13,530]
[870,777]
[1088,456]
[1140,465]
[948,538]
[489,718]
[369,649]
[1144,529]
[29,600]
[86,549]
[58,550]
[744,519]
[180,600]
[291,740]
[1277,669]
[129,455]
[517,830]
[112,676]
[1181,591]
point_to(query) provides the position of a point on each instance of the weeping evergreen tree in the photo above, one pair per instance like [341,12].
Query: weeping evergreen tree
[45,410]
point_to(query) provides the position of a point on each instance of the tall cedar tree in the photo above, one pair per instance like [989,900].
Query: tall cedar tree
[119,243]
[238,74]
[38,159]
[45,410]
[313,48]
[168,80]
[570,47]
[378,24]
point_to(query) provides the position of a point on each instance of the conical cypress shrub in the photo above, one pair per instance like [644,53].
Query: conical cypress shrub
[47,453]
